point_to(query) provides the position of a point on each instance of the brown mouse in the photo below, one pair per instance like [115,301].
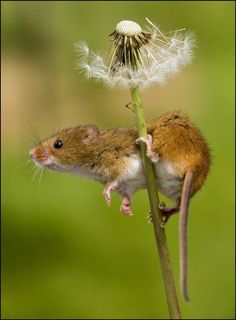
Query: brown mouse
[175,145]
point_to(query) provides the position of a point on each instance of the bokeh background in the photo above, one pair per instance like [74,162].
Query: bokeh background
[65,254]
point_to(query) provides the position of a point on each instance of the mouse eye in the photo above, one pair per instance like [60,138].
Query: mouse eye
[58,144]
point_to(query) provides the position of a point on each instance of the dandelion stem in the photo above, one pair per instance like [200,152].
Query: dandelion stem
[161,240]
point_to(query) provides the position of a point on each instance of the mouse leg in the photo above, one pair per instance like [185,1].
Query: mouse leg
[168,212]
[154,157]
[110,186]
[125,206]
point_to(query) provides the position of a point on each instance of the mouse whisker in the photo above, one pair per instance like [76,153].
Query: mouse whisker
[24,163]
[33,168]
[35,174]
[40,176]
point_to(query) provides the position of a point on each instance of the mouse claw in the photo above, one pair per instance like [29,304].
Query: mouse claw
[162,205]
[149,217]
[107,197]
[164,221]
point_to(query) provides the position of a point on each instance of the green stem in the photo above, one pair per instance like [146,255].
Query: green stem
[160,236]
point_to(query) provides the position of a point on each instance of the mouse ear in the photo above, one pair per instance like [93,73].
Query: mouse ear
[90,132]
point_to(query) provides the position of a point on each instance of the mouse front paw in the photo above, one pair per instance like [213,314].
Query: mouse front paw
[125,206]
[107,196]
[154,157]
[110,186]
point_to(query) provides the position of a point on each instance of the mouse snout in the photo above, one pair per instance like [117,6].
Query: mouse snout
[38,155]
[32,154]
[35,156]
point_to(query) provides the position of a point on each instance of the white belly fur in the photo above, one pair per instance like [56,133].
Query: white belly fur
[169,184]
[133,179]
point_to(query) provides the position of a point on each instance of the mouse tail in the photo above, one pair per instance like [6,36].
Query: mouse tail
[184,206]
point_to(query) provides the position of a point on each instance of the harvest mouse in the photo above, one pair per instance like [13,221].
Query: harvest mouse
[175,145]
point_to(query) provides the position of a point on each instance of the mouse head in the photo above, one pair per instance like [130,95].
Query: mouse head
[65,149]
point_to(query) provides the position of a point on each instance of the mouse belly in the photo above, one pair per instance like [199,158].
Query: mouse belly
[133,179]
[168,183]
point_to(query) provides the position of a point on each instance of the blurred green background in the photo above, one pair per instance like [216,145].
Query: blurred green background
[65,254]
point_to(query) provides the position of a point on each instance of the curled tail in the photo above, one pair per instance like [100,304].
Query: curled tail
[184,205]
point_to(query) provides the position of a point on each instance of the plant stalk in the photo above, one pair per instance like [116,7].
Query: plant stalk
[160,236]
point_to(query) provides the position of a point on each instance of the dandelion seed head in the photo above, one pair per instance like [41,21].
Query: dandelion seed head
[128,28]
[137,57]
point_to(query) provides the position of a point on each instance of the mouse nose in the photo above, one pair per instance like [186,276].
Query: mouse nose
[32,154]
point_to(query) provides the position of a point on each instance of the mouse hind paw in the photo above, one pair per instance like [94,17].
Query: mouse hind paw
[167,212]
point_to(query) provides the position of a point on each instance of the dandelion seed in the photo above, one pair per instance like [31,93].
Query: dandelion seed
[137,57]
[82,49]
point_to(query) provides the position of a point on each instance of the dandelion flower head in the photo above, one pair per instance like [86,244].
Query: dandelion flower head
[137,57]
